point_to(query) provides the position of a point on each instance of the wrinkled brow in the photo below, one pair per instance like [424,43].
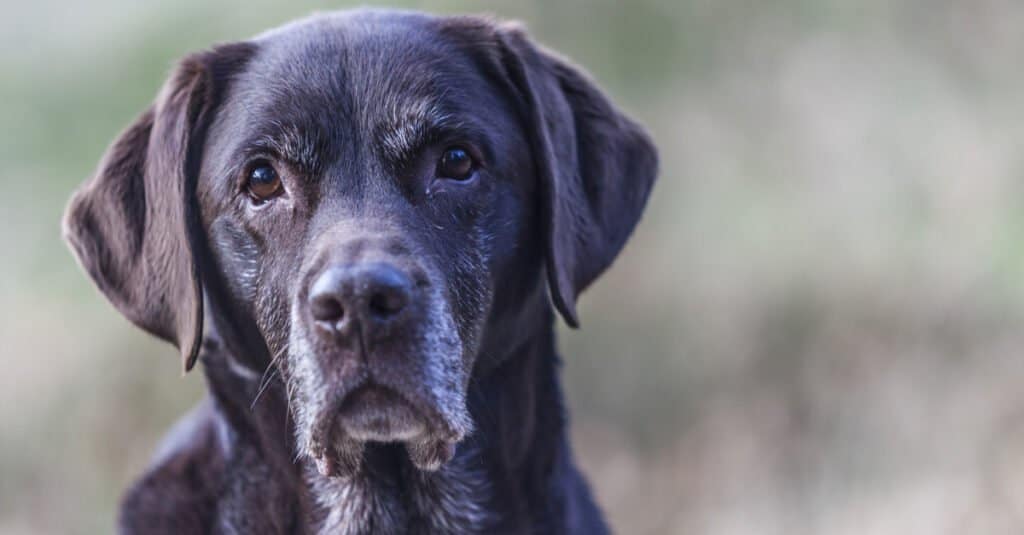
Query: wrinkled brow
[300,146]
[407,129]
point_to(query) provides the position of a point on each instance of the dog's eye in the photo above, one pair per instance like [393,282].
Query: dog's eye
[456,164]
[263,182]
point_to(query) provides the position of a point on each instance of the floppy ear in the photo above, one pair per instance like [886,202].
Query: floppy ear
[596,166]
[134,225]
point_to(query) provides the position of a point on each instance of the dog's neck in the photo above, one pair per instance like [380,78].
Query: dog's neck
[501,473]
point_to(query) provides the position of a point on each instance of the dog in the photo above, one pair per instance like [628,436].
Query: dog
[362,224]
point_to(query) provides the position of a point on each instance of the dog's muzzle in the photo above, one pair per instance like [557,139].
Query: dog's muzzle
[381,362]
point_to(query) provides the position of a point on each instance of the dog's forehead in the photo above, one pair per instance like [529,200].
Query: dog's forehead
[333,82]
[365,65]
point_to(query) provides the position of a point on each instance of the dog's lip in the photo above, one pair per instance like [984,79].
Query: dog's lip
[375,412]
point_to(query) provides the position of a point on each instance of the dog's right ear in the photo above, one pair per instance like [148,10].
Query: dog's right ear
[134,225]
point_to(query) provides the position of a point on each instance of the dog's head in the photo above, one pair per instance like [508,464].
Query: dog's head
[369,202]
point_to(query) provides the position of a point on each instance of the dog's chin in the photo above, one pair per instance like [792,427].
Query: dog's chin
[375,414]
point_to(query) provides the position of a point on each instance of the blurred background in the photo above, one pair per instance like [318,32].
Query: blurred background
[817,328]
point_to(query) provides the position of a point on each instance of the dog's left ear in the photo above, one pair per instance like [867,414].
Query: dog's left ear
[596,166]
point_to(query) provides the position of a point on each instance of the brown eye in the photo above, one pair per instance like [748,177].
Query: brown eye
[263,182]
[456,164]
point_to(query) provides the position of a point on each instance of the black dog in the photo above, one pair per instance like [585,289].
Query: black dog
[350,220]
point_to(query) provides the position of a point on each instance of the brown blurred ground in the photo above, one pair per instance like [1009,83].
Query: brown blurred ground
[816,329]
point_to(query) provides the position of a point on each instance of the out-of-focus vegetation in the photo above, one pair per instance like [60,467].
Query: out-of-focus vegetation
[816,329]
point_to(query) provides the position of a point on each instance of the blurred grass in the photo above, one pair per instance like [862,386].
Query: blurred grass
[814,330]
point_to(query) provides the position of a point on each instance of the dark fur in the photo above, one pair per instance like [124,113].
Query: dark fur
[354,109]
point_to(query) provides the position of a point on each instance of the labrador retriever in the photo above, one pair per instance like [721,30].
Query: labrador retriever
[361,223]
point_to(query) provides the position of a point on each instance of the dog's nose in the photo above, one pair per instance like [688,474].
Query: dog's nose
[369,293]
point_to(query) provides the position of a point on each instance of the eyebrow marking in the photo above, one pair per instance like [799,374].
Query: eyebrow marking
[300,146]
[406,128]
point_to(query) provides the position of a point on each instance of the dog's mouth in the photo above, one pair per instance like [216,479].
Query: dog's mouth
[379,414]
[375,413]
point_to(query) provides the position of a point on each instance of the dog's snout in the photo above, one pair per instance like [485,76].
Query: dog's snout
[370,293]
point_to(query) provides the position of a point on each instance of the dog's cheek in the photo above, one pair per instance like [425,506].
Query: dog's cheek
[466,278]
[272,312]
[507,227]
[303,384]
[447,370]
[238,256]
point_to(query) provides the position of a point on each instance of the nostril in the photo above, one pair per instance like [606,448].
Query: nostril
[326,302]
[388,302]
[326,308]
[388,288]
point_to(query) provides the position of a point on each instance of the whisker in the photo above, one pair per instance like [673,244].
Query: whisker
[262,389]
[267,377]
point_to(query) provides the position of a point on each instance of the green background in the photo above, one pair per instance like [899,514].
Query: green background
[815,329]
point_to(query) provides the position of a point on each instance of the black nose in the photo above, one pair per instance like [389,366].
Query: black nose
[369,293]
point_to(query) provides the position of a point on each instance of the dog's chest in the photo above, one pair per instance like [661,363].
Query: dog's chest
[452,500]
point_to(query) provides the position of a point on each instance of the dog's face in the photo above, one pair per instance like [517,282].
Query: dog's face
[370,200]
[372,188]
